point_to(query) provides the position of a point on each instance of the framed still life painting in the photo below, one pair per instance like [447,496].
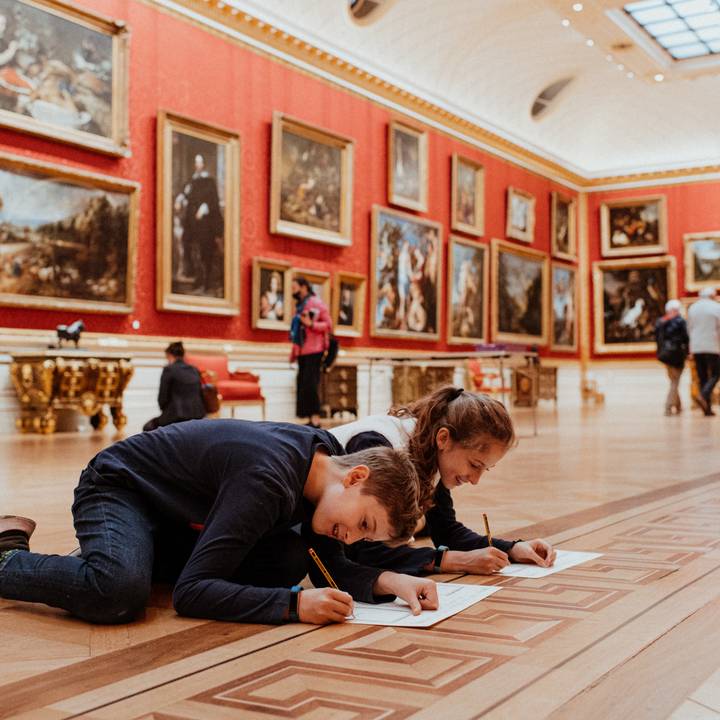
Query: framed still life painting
[468,196]
[563,307]
[634,226]
[468,272]
[406,275]
[630,296]
[311,186]
[520,215]
[407,166]
[702,260]
[64,74]
[348,304]
[563,227]
[272,304]
[198,248]
[67,238]
[520,282]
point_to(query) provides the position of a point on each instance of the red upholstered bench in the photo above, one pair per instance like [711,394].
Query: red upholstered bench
[235,388]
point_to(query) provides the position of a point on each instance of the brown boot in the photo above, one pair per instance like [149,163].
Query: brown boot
[15,532]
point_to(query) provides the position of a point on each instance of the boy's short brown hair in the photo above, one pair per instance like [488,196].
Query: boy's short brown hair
[393,482]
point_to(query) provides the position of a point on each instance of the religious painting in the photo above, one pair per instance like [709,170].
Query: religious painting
[520,282]
[407,166]
[406,275]
[468,289]
[67,238]
[319,282]
[702,260]
[562,227]
[630,296]
[272,304]
[520,215]
[348,308]
[311,184]
[634,226]
[563,307]
[468,195]
[63,74]
[198,249]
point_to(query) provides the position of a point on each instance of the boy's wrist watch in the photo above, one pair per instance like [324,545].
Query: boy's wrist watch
[295,591]
[440,551]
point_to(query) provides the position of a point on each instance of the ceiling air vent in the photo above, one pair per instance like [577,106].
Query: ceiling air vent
[546,98]
[365,12]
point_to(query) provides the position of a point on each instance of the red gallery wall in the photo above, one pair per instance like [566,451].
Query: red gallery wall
[177,66]
[691,208]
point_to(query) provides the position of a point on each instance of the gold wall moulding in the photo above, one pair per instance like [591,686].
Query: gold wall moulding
[47,382]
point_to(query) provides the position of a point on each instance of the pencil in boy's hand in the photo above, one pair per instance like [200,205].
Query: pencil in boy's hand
[323,569]
[487,530]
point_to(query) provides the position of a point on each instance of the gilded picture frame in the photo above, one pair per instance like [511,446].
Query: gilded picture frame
[564,307]
[406,275]
[407,166]
[198,216]
[89,61]
[520,223]
[311,183]
[68,239]
[634,226]
[319,280]
[468,291]
[468,196]
[272,303]
[702,260]
[629,297]
[520,294]
[563,226]
[348,304]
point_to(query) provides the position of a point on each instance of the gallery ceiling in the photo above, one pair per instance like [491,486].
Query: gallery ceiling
[488,60]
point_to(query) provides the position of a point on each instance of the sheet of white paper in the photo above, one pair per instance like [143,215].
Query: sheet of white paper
[453,598]
[565,559]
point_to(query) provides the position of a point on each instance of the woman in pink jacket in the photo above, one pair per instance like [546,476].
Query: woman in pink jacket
[309,332]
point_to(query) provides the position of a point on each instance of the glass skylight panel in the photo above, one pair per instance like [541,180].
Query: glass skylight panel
[684,28]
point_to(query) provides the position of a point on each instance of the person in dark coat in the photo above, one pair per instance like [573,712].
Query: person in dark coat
[673,343]
[180,395]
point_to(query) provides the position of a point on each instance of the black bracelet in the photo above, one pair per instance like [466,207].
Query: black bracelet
[295,591]
[440,551]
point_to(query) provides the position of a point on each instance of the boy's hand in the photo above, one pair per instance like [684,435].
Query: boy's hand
[483,561]
[418,593]
[538,551]
[324,605]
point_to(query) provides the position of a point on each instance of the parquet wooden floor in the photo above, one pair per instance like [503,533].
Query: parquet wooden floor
[632,634]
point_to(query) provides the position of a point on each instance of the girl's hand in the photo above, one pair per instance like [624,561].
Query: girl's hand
[538,552]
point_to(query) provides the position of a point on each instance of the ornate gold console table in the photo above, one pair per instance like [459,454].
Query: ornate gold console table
[50,381]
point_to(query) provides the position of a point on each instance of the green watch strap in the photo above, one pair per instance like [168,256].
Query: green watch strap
[295,591]
[440,551]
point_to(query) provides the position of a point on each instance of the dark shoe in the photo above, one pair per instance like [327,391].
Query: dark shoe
[15,532]
[313,425]
[703,403]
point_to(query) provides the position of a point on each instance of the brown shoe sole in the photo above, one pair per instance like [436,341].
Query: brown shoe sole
[16,522]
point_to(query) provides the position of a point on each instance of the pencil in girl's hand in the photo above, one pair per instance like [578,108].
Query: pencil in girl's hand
[487,530]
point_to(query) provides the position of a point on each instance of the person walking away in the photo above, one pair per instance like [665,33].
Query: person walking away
[704,331]
[672,348]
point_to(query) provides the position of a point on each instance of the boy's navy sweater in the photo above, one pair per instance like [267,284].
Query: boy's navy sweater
[240,480]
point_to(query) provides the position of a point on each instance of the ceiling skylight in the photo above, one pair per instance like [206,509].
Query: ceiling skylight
[684,28]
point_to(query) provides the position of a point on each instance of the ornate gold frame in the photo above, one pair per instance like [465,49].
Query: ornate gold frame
[479,227]
[167,123]
[576,299]
[527,235]
[260,264]
[382,332]
[660,247]
[457,339]
[315,277]
[280,124]
[600,346]
[557,197]
[498,246]
[691,284]
[119,142]
[60,173]
[422,138]
[360,282]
